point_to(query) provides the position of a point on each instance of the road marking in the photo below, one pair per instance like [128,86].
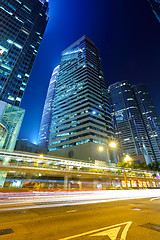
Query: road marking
[152,199]
[138,209]
[71,211]
[112,232]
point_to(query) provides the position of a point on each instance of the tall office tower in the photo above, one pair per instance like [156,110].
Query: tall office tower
[128,125]
[47,110]
[155,5]
[150,117]
[81,119]
[22,24]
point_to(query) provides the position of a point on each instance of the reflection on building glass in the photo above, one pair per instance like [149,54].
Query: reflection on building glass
[10,122]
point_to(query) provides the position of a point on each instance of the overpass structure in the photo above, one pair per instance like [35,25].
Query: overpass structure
[37,165]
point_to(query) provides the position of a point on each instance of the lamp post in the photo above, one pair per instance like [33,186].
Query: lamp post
[127,158]
[111,145]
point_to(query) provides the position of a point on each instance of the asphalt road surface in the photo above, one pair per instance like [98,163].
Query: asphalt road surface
[134,219]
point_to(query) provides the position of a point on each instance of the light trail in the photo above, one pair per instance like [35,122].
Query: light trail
[39,200]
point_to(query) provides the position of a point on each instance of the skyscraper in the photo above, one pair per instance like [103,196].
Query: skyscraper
[150,117]
[128,124]
[155,5]
[81,119]
[22,24]
[47,110]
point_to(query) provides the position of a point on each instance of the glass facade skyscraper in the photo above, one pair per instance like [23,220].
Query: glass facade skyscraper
[136,123]
[155,5]
[81,117]
[47,111]
[22,24]
[128,124]
[150,117]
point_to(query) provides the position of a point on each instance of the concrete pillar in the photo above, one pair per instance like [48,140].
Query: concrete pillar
[95,184]
[80,185]
[114,156]
[3,175]
[108,156]
[65,182]
[110,182]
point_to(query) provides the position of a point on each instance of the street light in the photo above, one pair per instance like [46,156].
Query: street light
[112,145]
[100,148]
[127,158]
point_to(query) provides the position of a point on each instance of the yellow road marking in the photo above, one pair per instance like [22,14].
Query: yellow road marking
[123,235]
[154,199]
[71,211]
[111,233]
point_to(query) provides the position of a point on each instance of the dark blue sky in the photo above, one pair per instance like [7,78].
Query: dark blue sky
[126,32]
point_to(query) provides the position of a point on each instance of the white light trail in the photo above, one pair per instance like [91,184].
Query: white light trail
[73,198]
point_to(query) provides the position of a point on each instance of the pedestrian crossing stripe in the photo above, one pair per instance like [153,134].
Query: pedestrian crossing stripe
[110,231]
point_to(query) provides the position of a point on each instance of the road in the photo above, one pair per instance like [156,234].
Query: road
[132,219]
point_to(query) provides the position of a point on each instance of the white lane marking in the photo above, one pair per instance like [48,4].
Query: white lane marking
[71,211]
[109,233]
[138,209]
[154,199]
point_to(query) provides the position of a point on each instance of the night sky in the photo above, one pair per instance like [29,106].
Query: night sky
[126,32]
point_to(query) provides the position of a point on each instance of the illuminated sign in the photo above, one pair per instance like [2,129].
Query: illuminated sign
[133,183]
[140,184]
[154,184]
[148,183]
[128,183]
[123,183]
[144,184]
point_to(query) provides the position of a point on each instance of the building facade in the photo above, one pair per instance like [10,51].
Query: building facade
[25,146]
[22,24]
[155,5]
[150,118]
[10,122]
[128,124]
[81,119]
[47,111]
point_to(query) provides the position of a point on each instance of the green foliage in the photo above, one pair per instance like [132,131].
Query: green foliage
[154,166]
[122,164]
